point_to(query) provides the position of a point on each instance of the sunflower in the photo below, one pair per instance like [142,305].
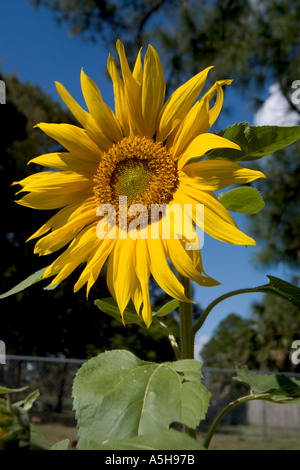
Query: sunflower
[149,153]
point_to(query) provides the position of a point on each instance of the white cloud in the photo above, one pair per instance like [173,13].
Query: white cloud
[276,110]
[199,343]
[2,92]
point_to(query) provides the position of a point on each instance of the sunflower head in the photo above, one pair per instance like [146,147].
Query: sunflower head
[141,153]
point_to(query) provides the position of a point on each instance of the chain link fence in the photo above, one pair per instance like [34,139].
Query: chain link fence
[53,377]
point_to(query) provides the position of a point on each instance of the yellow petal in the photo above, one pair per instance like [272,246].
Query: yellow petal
[201,144]
[95,262]
[58,238]
[143,274]
[138,69]
[179,103]
[75,140]
[66,161]
[153,91]
[59,219]
[102,113]
[215,110]
[133,94]
[183,263]
[83,117]
[196,122]
[217,222]
[52,190]
[73,256]
[121,108]
[121,277]
[217,174]
[161,271]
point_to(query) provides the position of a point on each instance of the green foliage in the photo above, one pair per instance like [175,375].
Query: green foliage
[168,308]
[109,306]
[16,431]
[29,281]
[283,289]
[233,338]
[255,141]
[245,199]
[277,228]
[165,440]
[14,420]
[270,387]
[264,339]
[240,39]
[117,396]
[274,388]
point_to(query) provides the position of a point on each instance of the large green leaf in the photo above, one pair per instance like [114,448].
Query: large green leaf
[245,199]
[255,141]
[165,440]
[118,396]
[271,387]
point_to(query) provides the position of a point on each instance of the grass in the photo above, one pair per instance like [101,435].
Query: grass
[228,437]
[252,438]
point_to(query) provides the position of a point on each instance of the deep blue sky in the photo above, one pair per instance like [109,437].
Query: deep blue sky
[36,49]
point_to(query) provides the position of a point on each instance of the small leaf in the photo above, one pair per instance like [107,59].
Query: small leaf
[245,199]
[118,396]
[283,289]
[276,388]
[109,306]
[37,441]
[11,390]
[166,440]
[167,308]
[61,445]
[255,141]
[29,400]
[29,281]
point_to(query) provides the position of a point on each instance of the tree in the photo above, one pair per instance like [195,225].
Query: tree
[232,341]
[262,341]
[277,325]
[277,227]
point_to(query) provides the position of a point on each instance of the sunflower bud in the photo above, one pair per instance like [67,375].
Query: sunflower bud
[14,427]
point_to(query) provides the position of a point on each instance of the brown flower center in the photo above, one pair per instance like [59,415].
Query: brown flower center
[138,169]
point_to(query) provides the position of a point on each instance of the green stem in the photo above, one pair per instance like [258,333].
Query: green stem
[186,332]
[229,407]
[171,337]
[208,309]
[186,321]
